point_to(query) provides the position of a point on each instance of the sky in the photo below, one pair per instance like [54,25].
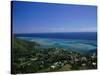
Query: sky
[35,17]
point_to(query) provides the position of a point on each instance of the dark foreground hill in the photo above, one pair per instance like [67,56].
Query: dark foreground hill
[28,57]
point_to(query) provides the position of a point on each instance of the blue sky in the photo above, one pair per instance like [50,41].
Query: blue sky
[32,17]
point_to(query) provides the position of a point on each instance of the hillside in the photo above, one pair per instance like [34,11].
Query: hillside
[28,57]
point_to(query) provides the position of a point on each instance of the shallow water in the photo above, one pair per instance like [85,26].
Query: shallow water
[68,44]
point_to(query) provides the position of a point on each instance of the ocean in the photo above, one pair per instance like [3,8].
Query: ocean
[70,35]
[73,41]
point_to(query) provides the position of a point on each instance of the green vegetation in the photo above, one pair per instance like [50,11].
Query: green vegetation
[28,57]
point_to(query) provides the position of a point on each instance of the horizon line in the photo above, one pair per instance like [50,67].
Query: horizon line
[54,32]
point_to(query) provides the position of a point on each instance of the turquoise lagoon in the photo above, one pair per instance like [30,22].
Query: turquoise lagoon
[76,45]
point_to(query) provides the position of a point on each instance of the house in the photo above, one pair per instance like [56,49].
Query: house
[83,59]
[52,66]
[83,64]
[94,64]
[93,56]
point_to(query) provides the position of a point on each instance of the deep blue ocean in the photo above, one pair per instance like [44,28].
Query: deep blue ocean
[75,41]
[70,35]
